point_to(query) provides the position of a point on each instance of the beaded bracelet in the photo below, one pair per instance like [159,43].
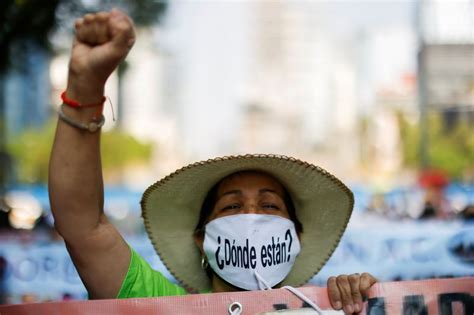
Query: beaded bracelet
[92,126]
[97,119]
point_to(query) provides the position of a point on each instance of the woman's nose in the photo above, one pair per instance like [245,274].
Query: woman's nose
[250,209]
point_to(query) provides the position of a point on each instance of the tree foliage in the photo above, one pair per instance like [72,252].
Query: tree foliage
[451,150]
[25,27]
[31,150]
[23,21]
[120,149]
[33,20]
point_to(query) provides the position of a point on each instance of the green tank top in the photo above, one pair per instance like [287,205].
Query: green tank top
[142,281]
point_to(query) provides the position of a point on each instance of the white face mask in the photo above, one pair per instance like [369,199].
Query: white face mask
[248,249]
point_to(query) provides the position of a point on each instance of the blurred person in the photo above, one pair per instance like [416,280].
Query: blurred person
[29,298]
[190,214]
[4,213]
[436,205]
[3,271]
[377,204]
[4,222]
[467,213]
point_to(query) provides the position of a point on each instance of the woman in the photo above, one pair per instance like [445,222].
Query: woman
[200,213]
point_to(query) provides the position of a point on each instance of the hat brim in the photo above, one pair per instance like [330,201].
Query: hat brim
[171,209]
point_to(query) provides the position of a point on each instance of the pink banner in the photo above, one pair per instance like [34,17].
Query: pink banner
[427,297]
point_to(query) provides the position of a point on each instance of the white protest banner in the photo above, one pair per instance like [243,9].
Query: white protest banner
[426,297]
[412,250]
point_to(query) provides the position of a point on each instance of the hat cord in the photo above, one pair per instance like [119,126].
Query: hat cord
[263,285]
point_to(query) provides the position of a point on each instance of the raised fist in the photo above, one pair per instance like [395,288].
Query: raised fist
[102,41]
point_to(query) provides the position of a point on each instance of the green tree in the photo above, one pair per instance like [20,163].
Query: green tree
[26,25]
[21,23]
[449,150]
[120,149]
[34,20]
[31,150]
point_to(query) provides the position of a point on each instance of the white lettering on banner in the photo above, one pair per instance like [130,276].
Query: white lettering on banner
[412,250]
[408,251]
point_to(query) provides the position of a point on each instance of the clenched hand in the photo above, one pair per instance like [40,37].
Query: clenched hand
[102,41]
[347,291]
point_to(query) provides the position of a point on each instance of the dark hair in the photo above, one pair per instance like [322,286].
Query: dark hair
[211,199]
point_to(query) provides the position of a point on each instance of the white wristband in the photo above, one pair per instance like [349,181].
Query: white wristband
[92,126]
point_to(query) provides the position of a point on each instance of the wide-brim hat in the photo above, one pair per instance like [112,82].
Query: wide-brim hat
[171,209]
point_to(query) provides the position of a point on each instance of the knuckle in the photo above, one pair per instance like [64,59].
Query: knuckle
[366,275]
[103,14]
[124,27]
[78,22]
[89,16]
[342,278]
[332,280]
[353,277]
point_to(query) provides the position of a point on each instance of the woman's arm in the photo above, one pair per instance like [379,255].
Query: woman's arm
[99,253]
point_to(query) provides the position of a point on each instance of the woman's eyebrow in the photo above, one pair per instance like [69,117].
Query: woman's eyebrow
[239,192]
[268,190]
[232,192]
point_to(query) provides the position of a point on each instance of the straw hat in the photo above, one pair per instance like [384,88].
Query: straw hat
[171,209]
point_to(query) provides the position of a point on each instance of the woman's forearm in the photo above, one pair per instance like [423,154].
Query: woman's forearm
[75,173]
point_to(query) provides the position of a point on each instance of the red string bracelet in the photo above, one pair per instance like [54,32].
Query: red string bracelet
[73,103]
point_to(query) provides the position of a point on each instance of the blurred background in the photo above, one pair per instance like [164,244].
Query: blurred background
[380,93]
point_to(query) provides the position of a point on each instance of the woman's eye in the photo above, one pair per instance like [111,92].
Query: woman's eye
[233,206]
[270,206]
